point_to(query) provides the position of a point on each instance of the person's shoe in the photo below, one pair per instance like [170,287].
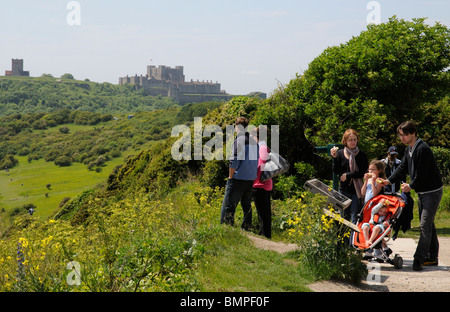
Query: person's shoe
[417,265]
[430,262]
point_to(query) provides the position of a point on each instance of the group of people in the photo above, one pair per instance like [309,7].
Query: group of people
[244,184]
[360,181]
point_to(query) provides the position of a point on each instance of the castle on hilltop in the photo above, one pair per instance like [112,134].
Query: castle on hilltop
[17,69]
[167,81]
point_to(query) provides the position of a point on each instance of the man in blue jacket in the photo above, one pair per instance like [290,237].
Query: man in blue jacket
[426,180]
[242,173]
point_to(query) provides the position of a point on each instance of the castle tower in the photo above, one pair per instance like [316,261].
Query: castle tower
[166,73]
[17,69]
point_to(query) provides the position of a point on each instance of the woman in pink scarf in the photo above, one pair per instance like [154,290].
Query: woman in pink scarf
[350,164]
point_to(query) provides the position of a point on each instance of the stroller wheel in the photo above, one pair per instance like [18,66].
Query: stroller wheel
[398,262]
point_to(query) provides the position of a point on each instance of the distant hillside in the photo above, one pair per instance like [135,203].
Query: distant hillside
[47,94]
[92,138]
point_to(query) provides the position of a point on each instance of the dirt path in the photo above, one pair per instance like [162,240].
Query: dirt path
[384,277]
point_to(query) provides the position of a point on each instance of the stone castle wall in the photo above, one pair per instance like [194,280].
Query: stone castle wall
[167,81]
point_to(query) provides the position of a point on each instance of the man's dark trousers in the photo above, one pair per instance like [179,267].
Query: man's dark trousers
[237,191]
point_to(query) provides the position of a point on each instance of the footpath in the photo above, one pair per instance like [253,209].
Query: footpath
[383,277]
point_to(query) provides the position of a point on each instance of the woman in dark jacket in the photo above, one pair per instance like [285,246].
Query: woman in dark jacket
[350,164]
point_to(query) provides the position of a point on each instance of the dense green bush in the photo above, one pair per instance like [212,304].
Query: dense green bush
[445,201]
[8,162]
[63,161]
[442,156]
[390,73]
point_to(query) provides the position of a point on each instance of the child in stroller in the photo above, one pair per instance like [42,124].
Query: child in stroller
[375,222]
[379,219]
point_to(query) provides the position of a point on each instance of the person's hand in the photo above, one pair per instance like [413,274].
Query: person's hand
[383,181]
[344,177]
[405,187]
[367,176]
[333,151]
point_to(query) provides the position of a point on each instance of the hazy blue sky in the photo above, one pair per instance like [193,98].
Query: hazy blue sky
[246,45]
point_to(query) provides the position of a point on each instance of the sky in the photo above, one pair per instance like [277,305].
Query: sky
[245,45]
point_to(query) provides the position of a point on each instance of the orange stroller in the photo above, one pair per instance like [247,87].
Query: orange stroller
[375,251]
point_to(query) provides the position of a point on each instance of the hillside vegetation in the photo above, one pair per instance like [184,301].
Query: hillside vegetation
[48,157]
[154,224]
[45,94]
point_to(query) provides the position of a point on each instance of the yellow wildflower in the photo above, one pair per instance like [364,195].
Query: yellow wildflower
[23,241]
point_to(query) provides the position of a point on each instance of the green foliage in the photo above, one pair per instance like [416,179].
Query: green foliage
[131,244]
[215,173]
[189,111]
[90,145]
[287,186]
[398,63]
[435,124]
[445,201]
[75,209]
[154,171]
[46,94]
[324,251]
[63,161]
[8,161]
[21,210]
[305,172]
[442,157]
[390,72]
[67,76]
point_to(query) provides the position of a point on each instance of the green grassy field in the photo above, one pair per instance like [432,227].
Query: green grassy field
[26,183]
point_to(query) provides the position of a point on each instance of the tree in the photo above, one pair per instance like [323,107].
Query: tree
[64,129]
[387,74]
[8,162]
[67,76]
[63,161]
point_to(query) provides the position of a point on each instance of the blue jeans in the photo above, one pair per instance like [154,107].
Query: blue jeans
[428,246]
[237,191]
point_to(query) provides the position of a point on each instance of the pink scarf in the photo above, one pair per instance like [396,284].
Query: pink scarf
[358,183]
